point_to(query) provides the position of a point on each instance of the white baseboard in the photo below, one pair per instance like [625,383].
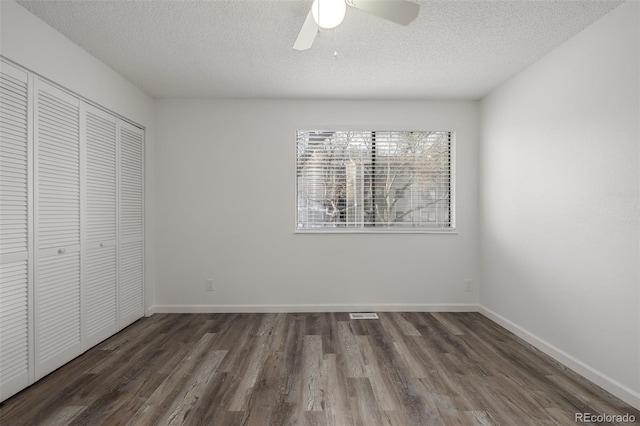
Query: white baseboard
[383,307]
[619,390]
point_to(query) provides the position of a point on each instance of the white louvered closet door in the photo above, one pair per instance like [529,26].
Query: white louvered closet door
[99,251]
[15,257]
[57,228]
[131,225]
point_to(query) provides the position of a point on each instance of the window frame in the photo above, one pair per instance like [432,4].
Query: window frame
[452,229]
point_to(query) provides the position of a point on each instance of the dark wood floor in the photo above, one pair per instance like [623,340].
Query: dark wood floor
[317,369]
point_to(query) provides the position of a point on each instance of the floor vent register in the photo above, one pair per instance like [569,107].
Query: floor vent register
[363,315]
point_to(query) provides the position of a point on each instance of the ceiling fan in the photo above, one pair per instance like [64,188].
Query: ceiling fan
[327,14]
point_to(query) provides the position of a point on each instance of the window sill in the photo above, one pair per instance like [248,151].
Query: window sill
[375,231]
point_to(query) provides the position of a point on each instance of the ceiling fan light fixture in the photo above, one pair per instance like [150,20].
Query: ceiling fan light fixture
[328,13]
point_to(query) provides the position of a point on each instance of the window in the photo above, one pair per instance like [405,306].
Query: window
[374,181]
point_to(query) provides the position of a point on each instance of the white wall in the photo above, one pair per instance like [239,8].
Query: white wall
[225,176]
[559,164]
[29,42]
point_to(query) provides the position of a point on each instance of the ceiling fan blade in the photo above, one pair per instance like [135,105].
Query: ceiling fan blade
[307,34]
[398,11]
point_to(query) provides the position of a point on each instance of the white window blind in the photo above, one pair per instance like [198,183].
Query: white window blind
[374,180]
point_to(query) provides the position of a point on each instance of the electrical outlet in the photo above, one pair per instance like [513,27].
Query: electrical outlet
[208,284]
[468,285]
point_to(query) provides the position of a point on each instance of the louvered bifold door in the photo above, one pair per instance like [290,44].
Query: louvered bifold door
[131,223]
[57,228]
[14,231]
[99,250]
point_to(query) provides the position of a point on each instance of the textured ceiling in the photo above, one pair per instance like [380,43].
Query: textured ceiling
[243,49]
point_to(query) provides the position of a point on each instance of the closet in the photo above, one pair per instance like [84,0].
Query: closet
[15,232]
[71,226]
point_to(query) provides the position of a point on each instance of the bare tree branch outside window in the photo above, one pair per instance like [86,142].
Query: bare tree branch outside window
[374,179]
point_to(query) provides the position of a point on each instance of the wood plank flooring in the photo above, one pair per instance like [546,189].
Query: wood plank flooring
[404,369]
